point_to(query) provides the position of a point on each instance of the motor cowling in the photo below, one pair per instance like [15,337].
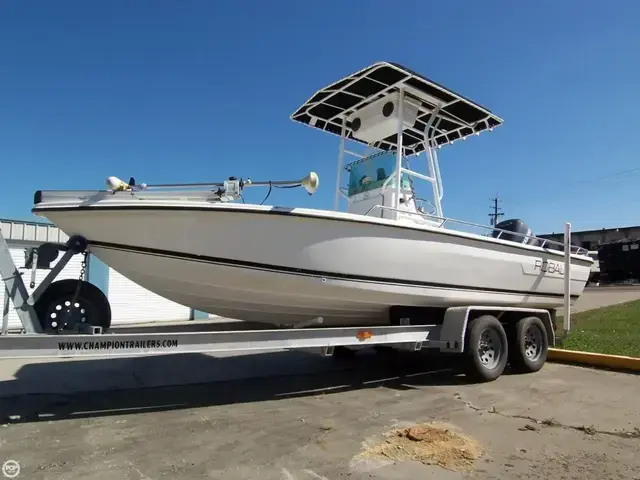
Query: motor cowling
[521,231]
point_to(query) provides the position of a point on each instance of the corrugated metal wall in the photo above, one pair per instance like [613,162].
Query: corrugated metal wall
[15,232]
[131,303]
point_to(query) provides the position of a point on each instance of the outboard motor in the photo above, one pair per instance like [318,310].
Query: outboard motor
[518,227]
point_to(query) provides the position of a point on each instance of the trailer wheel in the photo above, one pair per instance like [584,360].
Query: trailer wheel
[57,314]
[529,345]
[487,349]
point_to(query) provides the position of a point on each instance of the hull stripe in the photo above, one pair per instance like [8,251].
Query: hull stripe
[277,211]
[316,273]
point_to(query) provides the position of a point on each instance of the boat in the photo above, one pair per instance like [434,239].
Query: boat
[201,246]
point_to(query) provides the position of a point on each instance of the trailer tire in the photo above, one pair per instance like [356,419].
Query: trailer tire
[529,345]
[486,349]
[92,306]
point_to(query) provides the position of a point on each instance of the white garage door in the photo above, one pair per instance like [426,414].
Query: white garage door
[71,270]
[131,303]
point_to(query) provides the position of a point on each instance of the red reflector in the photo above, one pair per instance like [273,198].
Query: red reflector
[364,335]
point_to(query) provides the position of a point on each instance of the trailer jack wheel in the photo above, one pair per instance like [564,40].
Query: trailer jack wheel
[60,310]
[487,349]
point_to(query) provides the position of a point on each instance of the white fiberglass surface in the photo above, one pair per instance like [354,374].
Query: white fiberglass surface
[258,295]
[322,245]
[77,222]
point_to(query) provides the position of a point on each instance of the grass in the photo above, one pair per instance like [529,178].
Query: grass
[613,330]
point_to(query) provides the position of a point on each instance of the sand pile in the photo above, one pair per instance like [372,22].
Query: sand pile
[431,444]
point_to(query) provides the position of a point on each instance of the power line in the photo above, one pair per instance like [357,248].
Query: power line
[545,191]
[619,173]
[496,211]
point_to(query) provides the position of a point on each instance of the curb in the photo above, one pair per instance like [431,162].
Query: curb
[614,362]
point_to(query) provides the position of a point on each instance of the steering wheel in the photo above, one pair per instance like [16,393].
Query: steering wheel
[419,206]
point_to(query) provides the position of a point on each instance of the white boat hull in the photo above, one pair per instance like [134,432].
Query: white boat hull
[283,267]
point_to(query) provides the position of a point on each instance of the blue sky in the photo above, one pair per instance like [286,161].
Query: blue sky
[160,89]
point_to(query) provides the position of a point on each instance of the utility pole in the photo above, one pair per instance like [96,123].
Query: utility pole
[496,213]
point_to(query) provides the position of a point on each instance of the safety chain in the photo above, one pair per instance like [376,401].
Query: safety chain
[83,265]
[83,268]
[74,299]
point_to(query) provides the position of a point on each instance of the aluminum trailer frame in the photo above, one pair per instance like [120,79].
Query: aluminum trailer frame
[92,341]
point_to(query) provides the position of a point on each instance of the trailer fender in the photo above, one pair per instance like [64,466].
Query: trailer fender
[456,320]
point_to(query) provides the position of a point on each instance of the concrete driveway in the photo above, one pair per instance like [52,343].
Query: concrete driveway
[596,297]
[295,416]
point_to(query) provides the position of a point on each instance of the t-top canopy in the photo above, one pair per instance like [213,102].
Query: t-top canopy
[455,117]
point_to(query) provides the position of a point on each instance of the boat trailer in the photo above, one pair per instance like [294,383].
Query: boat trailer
[488,336]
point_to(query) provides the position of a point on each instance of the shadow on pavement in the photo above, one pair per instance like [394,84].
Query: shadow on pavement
[171,382]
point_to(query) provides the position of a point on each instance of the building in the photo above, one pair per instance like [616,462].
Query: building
[591,239]
[130,303]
